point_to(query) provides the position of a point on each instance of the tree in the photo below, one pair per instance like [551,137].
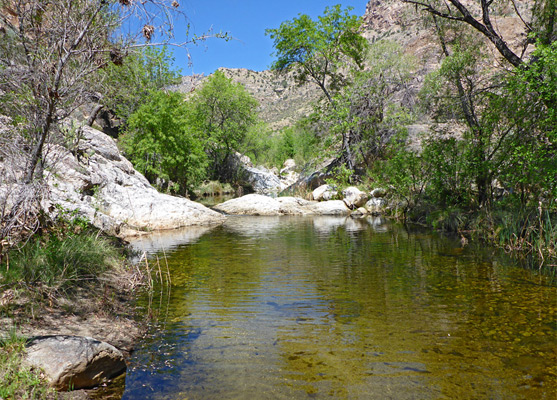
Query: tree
[125,87]
[51,52]
[163,145]
[320,51]
[455,10]
[224,112]
[370,108]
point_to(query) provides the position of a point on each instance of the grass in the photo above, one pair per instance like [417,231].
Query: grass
[16,380]
[60,261]
[213,188]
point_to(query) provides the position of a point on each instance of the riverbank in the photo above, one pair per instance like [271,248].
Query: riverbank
[102,308]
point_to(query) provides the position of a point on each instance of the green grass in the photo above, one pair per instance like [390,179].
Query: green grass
[16,380]
[213,188]
[60,261]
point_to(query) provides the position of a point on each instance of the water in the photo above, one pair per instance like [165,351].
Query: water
[298,308]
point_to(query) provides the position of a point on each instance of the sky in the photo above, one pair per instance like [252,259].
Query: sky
[245,21]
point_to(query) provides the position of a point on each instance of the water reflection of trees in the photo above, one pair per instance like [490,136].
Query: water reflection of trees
[355,304]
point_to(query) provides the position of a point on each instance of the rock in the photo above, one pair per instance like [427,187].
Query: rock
[288,174]
[359,212]
[378,192]
[354,197]
[103,186]
[259,179]
[251,204]
[74,362]
[295,206]
[324,193]
[289,165]
[314,179]
[256,204]
[263,182]
[376,206]
[332,207]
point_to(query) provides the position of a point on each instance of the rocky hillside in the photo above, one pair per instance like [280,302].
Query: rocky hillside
[281,100]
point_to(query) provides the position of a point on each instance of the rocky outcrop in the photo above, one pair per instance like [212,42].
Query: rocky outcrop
[101,185]
[254,204]
[262,180]
[74,362]
[281,100]
[288,174]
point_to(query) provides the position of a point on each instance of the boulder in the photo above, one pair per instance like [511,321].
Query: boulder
[251,204]
[74,362]
[288,166]
[259,179]
[376,206]
[256,204]
[354,198]
[332,207]
[324,193]
[379,192]
[101,185]
[262,181]
[288,174]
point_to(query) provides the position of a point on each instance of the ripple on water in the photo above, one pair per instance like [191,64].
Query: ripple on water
[291,308]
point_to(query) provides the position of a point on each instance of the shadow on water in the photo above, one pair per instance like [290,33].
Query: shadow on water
[334,307]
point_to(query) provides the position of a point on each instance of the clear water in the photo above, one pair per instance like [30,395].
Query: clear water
[297,308]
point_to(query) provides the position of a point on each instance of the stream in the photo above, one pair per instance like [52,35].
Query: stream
[340,308]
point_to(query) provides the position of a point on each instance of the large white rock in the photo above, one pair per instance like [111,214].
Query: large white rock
[74,362]
[331,207]
[104,187]
[354,197]
[323,193]
[251,204]
[256,204]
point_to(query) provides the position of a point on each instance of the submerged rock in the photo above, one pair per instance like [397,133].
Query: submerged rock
[74,362]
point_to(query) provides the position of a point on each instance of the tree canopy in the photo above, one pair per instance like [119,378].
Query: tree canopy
[318,50]
[223,112]
[162,143]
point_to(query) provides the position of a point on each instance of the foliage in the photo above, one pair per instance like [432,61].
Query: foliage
[163,143]
[127,86]
[16,380]
[317,50]
[223,112]
[367,109]
[51,54]
[272,149]
[66,256]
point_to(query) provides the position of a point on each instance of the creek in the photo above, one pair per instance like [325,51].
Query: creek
[335,307]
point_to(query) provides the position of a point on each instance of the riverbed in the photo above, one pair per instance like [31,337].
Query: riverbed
[336,307]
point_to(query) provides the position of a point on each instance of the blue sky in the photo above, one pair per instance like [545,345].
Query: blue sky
[246,21]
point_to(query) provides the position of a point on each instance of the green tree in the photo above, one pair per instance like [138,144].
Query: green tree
[127,86]
[224,112]
[319,51]
[163,144]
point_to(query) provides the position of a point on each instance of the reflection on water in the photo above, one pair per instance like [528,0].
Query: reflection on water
[333,307]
